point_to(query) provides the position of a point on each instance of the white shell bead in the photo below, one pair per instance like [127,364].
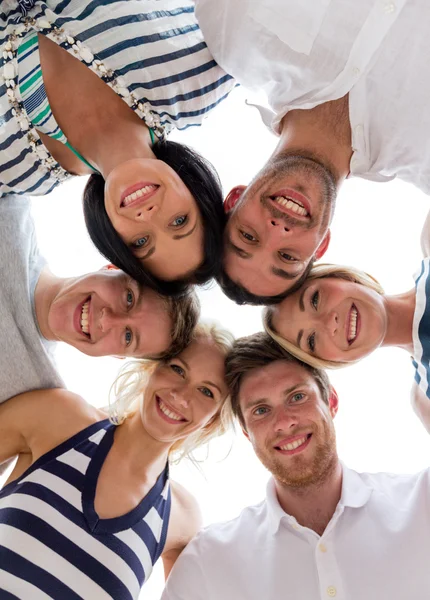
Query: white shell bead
[43,24]
[9,70]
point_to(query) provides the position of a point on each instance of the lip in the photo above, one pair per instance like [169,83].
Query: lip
[358,324]
[77,318]
[170,407]
[134,188]
[294,195]
[293,439]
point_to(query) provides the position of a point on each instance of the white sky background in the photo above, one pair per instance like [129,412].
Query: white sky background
[376,227]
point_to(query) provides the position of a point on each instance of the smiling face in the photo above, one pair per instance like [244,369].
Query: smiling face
[184,394]
[288,423]
[332,319]
[107,313]
[156,216]
[279,223]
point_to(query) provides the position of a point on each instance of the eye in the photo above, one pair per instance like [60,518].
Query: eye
[206,392]
[248,236]
[129,298]
[179,221]
[260,411]
[139,243]
[315,299]
[177,369]
[297,397]
[287,257]
[311,342]
[128,337]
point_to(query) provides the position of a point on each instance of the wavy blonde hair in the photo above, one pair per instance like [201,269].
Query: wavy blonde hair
[321,271]
[130,384]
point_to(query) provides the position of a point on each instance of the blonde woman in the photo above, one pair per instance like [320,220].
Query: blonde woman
[89,507]
[341,315]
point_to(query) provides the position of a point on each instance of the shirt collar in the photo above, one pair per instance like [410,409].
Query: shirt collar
[355,494]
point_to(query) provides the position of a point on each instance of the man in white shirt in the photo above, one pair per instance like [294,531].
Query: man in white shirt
[348,88]
[323,531]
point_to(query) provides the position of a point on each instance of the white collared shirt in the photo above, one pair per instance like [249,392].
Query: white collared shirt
[376,547]
[301,54]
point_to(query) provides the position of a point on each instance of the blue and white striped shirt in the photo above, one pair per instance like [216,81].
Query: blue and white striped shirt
[52,542]
[151,52]
[421,330]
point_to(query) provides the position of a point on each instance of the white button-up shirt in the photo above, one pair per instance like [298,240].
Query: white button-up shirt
[303,53]
[376,546]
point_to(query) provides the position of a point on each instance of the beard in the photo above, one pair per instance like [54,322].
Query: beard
[306,167]
[301,471]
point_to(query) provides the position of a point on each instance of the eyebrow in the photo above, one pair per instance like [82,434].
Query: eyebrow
[242,253]
[301,303]
[184,235]
[253,403]
[285,274]
[299,337]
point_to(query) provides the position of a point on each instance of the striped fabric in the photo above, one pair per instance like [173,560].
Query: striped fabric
[421,329]
[52,543]
[32,88]
[151,52]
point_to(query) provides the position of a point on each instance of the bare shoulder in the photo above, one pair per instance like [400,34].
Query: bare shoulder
[47,417]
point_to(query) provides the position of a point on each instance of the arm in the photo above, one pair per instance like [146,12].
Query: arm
[187,580]
[185,522]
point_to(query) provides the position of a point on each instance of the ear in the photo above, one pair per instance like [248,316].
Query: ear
[109,267]
[232,197]
[322,248]
[333,402]
[245,433]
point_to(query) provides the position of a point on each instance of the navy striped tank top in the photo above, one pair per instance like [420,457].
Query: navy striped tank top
[52,542]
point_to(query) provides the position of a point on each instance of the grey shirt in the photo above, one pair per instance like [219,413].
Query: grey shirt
[25,357]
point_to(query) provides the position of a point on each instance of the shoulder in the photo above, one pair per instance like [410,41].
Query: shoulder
[47,417]
[398,488]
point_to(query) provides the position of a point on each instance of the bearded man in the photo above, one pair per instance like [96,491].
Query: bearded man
[323,531]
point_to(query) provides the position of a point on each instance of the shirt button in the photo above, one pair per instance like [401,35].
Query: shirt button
[359,130]
[331,591]
[356,71]
[389,7]
[322,548]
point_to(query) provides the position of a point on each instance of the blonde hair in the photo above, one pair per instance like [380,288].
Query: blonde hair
[321,271]
[132,379]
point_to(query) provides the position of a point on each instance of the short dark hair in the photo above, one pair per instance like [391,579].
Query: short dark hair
[257,351]
[203,182]
[241,295]
[184,313]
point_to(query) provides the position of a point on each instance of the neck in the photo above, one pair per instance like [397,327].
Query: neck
[47,288]
[131,135]
[146,456]
[323,132]
[400,316]
[313,505]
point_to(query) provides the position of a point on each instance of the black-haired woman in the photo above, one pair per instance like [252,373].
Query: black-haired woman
[93,88]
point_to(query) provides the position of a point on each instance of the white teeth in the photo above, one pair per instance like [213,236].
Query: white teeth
[138,194]
[84,317]
[295,444]
[293,205]
[352,331]
[167,412]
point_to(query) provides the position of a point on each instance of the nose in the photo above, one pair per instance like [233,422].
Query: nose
[108,319]
[147,212]
[277,226]
[285,420]
[180,397]
[331,322]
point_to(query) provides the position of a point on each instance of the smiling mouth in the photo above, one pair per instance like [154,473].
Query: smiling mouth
[292,202]
[295,444]
[139,194]
[353,325]
[84,321]
[171,415]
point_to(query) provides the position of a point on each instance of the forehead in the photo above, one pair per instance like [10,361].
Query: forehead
[270,379]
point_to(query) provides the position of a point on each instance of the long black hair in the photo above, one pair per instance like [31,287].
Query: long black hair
[204,184]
